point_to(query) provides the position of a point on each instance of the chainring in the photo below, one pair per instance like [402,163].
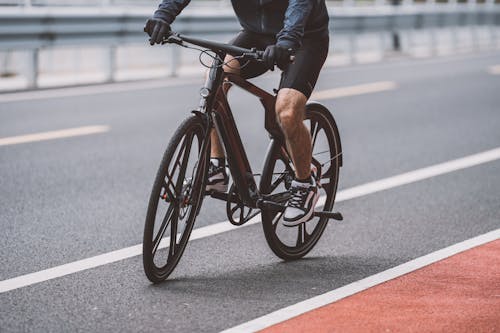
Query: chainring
[237,213]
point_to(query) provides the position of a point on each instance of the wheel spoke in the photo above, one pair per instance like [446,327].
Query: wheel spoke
[183,211]
[326,186]
[163,228]
[302,235]
[314,132]
[168,183]
[276,221]
[173,238]
[177,158]
[183,228]
[185,159]
[331,159]
[277,182]
[200,155]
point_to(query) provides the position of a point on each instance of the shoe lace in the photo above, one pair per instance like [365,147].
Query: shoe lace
[298,198]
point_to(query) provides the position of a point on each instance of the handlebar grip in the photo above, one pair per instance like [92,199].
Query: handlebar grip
[260,55]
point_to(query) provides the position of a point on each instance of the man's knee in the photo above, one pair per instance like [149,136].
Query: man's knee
[290,109]
[231,65]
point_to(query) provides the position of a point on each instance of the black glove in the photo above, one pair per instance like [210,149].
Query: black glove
[157,29]
[275,54]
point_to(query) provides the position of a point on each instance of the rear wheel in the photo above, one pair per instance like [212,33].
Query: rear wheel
[291,243]
[175,199]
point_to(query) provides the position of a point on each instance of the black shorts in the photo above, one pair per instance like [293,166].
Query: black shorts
[302,74]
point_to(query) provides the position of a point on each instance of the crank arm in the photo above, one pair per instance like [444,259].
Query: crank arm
[270,205]
[220,196]
[279,208]
[330,215]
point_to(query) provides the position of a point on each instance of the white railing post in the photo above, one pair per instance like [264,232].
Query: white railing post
[111,63]
[352,47]
[6,63]
[174,60]
[474,28]
[33,69]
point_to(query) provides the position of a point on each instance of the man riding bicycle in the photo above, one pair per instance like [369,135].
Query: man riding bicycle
[281,28]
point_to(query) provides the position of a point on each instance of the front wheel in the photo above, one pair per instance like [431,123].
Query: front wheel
[175,199]
[291,243]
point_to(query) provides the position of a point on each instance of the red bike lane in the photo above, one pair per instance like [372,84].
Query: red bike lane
[457,294]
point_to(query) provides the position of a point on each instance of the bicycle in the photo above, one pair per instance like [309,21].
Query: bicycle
[179,186]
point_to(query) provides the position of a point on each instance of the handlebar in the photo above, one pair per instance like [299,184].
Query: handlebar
[249,54]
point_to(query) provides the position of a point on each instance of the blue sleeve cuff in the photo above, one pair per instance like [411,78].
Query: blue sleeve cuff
[287,44]
[164,15]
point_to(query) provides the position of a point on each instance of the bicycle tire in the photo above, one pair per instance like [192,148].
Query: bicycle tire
[183,197]
[273,174]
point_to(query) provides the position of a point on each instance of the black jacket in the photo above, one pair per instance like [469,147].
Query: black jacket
[288,20]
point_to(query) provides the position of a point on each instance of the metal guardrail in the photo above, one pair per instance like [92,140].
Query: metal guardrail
[42,28]
[226,3]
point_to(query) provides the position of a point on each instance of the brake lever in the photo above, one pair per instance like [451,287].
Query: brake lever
[252,55]
[173,39]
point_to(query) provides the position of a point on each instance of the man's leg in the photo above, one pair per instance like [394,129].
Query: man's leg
[304,191]
[297,83]
[218,180]
[216,151]
[290,110]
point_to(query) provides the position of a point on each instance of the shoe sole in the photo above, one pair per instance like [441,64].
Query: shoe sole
[217,187]
[306,217]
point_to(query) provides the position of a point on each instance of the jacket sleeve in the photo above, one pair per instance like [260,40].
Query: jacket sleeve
[169,9]
[296,17]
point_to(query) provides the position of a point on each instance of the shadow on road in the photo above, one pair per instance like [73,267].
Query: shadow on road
[279,281]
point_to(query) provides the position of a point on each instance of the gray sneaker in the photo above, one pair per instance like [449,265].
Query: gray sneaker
[218,179]
[300,207]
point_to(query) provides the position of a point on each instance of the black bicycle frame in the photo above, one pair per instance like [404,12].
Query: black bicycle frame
[214,103]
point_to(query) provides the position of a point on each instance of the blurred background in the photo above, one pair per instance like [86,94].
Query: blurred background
[46,43]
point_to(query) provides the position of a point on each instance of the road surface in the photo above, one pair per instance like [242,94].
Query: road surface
[77,165]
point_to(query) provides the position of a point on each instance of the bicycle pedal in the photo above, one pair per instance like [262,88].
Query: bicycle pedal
[329,215]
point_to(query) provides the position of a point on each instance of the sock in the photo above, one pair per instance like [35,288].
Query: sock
[308,180]
[218,161]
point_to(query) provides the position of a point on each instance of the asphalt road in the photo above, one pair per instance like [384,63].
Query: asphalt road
[68,199]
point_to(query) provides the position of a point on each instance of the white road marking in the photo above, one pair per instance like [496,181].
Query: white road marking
[218,228]
[94,90]
[52,135]
[495,70]
[419,174]
[360,89]
[358,286]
